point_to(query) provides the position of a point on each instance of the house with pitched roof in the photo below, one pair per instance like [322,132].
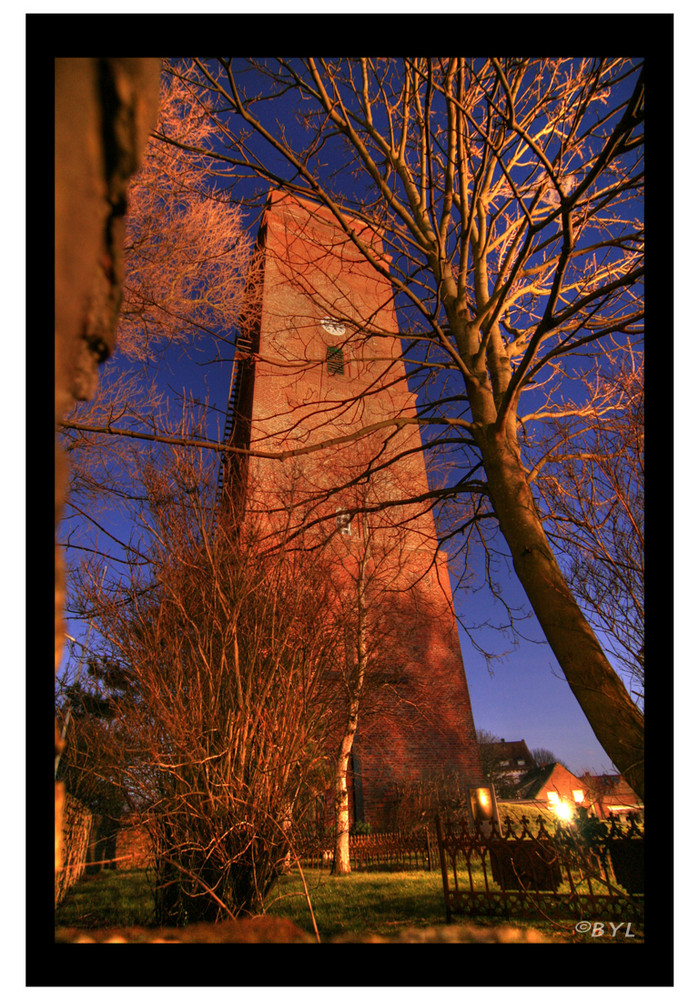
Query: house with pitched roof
[562,791]
[505,763]
[610,794]
[556,787]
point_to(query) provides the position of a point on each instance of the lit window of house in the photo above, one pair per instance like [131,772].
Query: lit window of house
[343,520]
[578,794]
[553,798]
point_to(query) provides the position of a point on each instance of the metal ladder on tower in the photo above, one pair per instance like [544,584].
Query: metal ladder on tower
[243,349]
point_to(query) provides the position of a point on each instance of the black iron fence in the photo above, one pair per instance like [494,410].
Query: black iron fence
[535,869]
[404,851]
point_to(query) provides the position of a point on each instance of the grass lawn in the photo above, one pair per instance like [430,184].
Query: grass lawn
[108,898]
[380,902]
[383,903]
[387,903]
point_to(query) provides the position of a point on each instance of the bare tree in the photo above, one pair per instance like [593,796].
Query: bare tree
[592,485]
[186,250]
[508,194]
[219,726]
[386,595]
[355,669]
[543,757]
[490,760]
[372,584]
[506,775]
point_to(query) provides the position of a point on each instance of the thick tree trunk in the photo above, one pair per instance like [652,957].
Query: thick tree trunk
[615,720]
[104,110]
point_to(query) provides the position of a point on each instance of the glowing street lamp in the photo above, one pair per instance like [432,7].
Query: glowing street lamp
[563,811]
[484,809]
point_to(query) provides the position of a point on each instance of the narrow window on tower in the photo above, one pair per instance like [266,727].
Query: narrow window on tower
[335,361]
[343,521]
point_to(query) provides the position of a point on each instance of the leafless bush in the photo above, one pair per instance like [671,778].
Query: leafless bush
[213,661]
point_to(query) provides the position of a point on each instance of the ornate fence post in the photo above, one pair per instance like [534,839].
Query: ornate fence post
[443,865]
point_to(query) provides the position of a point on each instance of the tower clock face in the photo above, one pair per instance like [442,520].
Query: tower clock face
[334,327]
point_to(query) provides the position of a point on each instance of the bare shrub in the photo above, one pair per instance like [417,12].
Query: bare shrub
[213,657]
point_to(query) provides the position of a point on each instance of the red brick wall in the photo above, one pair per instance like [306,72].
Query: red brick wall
[416,720]
[133,846]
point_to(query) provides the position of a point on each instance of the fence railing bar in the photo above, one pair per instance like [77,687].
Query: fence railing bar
[534,870]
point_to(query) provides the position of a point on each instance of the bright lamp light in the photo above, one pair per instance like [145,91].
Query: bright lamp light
[563,811]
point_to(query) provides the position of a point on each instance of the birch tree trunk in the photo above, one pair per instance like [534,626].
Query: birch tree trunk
[341,856]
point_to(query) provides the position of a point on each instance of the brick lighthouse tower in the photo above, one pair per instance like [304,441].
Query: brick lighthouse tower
[319,373]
